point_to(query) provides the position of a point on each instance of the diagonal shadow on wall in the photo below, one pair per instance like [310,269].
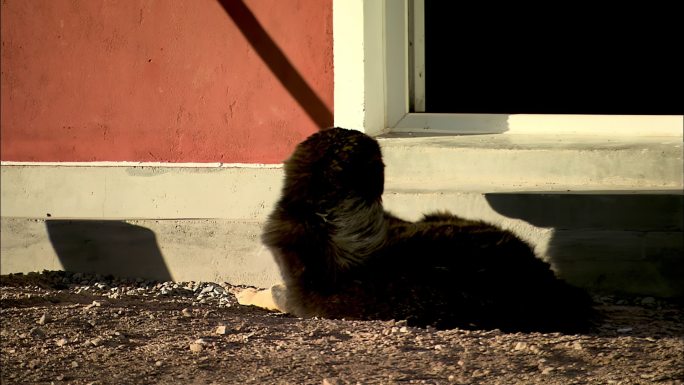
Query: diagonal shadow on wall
[107,247]
[278,63]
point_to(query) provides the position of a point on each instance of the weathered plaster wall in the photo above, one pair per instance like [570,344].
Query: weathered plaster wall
[168,81]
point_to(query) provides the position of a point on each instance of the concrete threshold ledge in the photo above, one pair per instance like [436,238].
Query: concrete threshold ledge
[532,162]
[476,163]
[39,191]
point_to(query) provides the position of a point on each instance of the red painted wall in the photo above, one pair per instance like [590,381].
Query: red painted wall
[163,80]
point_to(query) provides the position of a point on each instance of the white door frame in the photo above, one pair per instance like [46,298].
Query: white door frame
[371,61]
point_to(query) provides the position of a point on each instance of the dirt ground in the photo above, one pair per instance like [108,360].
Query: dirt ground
[64,328]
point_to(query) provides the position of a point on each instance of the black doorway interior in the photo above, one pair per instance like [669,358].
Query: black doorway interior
[566,59]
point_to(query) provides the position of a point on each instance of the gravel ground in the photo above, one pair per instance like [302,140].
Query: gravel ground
[64,328]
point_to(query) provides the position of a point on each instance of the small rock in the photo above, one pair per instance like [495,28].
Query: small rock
[219,290]
[37,333]
[624,330]
[331,381]
[207,289]
[577,345]
[186,312]
[221,329]
[74,364]
[520,346]
[202,359]
[439,347]
[403,329]
[45,318]
[60,377]
[94,304]
[61,342]
[158,363]
[97,341]
[195,347]
[548,370]
[120,337]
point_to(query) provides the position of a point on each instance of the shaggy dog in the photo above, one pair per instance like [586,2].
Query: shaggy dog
[341,255]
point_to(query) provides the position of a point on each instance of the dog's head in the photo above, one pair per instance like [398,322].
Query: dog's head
[333,165]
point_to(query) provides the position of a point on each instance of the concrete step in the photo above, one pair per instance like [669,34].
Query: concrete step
[482,163]
[139,192]
[532,162]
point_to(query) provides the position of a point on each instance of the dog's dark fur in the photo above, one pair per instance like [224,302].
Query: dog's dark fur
[342,256]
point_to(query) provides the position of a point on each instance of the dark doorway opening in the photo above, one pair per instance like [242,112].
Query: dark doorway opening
[552,60]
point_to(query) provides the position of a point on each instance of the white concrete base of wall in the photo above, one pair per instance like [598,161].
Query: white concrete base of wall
[607,213]
[215,250]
